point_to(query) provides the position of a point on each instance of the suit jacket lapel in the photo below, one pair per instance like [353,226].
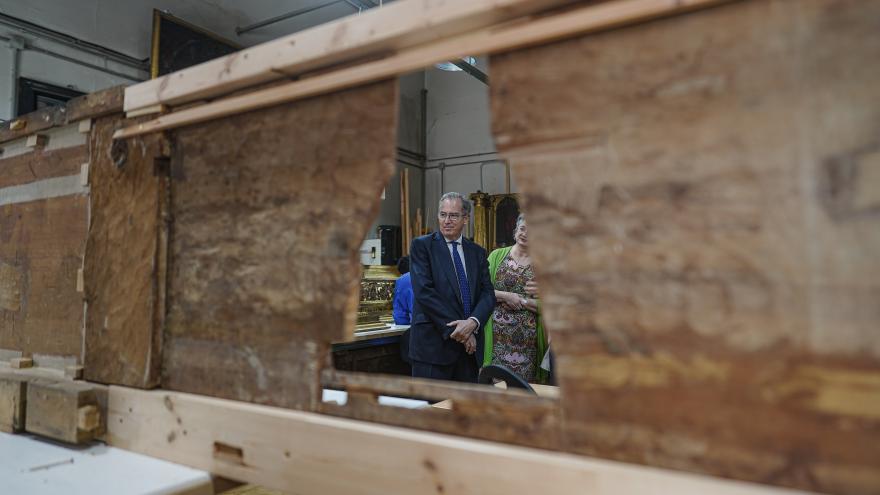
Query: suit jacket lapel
[441,253]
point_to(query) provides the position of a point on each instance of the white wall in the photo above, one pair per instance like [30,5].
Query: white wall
[461,154]
[409,138]
[45,68]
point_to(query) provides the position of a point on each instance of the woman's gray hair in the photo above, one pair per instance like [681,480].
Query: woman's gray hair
[465,203]
[519,220]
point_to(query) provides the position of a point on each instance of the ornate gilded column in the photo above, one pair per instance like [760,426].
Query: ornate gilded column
[482,219]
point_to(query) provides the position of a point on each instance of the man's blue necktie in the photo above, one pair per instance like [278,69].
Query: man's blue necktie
[463,286]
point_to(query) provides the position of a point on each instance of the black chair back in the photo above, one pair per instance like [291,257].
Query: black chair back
[504,374]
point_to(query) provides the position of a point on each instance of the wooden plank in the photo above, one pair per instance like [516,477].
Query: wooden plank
[122,271]
[710,280]
[41,164]
[41,249]
[477,411]
[44,189]
[33,122]
[21,362]
[65,411]
[393,27]
[98,104]
[265,242]
[586,19]
[13,396]
[320,454]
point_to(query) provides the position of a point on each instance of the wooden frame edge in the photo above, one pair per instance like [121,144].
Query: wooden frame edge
[588,19]
[313,453]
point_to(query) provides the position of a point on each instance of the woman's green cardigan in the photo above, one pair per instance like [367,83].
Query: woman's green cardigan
[495,259]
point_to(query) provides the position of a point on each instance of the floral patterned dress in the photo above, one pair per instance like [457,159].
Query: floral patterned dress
[514,332]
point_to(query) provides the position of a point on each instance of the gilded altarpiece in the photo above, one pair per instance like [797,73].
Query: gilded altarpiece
[494,219]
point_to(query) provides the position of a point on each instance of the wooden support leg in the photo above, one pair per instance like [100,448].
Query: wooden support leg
[13,394]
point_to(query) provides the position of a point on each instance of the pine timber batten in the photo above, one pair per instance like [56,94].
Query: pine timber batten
[394,27]
[491,40]
[321,454]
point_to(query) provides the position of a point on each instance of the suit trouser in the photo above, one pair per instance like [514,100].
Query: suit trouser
[464,369]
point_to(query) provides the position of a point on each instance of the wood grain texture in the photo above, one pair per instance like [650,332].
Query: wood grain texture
[97,104]
[41,249]
[39,120]
[353,38]
[40,164]
[302,452]
[123,274]
[478,411]
[63,410]
[269,209]
[703,196]
[13,396]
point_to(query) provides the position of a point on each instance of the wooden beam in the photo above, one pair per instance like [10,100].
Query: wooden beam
[492,40]
[97,104]
[309,453]
[397,26]
[13,395]
[33,122]
[21,362]
[64,410]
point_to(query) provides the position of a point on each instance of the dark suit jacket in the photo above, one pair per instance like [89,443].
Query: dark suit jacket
[437,299]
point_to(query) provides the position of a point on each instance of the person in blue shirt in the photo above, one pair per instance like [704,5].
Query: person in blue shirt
[403,294]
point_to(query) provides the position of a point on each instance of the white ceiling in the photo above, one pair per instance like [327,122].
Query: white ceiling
[125,25]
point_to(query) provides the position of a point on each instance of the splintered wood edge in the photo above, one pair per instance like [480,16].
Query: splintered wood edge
[323,454]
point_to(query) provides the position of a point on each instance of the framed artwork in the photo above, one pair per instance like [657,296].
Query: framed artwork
[178,44]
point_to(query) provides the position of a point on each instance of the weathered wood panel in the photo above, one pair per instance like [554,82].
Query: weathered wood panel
[477,411]
[269,210]
[13,396]
[97,104]
[124,262]
[41,164]
[35,121]
[704,201]
[64,410]
[41,249]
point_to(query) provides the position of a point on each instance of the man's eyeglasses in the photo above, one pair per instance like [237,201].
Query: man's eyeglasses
[452,216]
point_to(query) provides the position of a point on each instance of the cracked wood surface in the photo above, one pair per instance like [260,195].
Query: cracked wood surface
[702,193]
[270,208]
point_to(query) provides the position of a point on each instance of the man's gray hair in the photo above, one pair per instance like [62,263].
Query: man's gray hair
[465,203]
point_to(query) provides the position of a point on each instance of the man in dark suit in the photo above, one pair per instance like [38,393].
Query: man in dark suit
[453,297]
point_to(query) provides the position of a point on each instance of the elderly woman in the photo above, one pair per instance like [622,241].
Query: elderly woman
[514,335]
